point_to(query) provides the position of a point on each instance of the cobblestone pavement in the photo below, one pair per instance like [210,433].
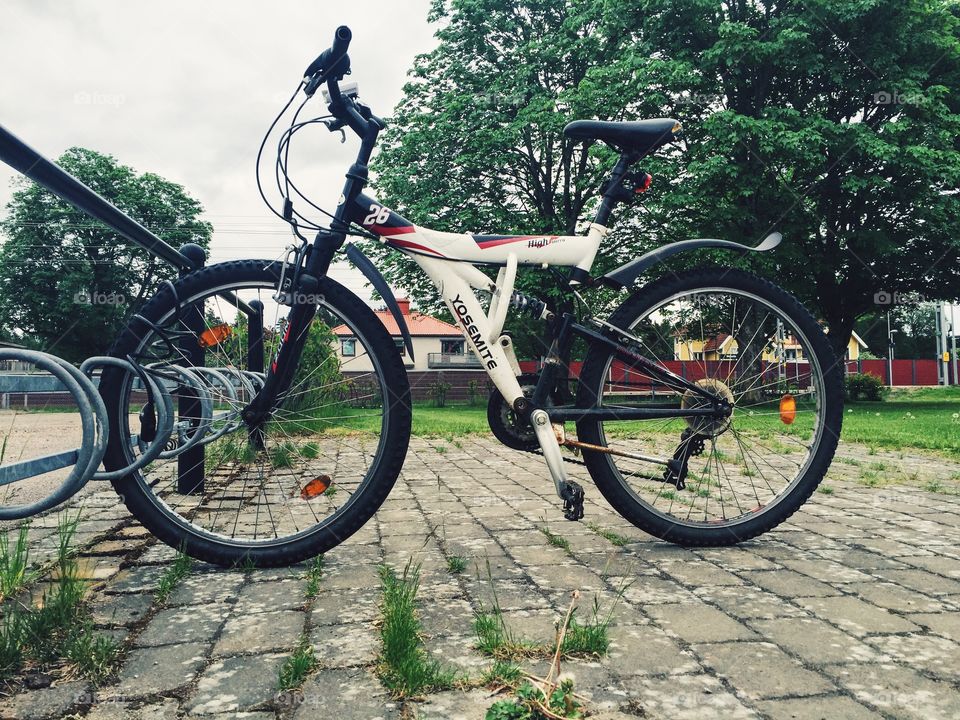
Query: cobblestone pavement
[847,611]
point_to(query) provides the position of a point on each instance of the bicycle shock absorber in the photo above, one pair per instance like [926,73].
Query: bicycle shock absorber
[537,309]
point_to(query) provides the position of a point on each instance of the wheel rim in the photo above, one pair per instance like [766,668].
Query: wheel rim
[738,463]
[326,433]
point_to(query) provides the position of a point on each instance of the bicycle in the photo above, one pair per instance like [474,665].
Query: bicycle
[707,409]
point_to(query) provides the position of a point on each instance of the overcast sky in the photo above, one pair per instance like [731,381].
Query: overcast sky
[187,90]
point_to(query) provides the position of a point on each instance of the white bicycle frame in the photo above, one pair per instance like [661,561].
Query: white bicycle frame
[450,261]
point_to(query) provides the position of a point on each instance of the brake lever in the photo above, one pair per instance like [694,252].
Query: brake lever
[334,125]
[311,83]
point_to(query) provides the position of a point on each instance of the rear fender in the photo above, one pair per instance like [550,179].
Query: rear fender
[626,275]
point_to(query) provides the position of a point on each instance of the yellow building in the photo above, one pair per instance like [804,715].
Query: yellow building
[724,347]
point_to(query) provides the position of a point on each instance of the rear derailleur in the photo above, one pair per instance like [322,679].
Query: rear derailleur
[691,444]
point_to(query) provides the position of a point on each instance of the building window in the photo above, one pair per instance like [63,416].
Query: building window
[401,347]
[348,347]
[451,347]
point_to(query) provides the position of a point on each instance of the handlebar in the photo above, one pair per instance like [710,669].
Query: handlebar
[332,62]
[330,67]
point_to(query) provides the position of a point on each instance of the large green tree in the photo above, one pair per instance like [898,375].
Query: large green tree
[834,121]
[67,282]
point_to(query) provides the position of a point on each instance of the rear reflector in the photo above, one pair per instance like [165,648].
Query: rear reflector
[788,409]
[316,487]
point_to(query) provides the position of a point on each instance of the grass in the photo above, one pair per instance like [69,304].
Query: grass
[296,667]
[612,537]
[14,564]
[57,631]
[229,449]
[404,667]
[456,564]
[922,419]
[590,638]
[247,565]
[557,541]
[501,673]
[178,570]
[314,576]
[496,639]
[282,454]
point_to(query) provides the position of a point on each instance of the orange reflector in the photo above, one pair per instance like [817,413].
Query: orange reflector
[788,409]
[316,487]
[214,336]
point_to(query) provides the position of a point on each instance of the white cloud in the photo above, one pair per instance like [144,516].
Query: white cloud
[187,89]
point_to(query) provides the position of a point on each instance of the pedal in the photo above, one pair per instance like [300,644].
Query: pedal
[572,495]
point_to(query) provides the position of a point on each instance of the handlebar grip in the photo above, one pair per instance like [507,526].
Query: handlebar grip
[341,41]
[332,62]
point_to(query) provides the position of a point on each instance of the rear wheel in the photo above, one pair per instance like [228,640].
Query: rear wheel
[324,461]
[750,342]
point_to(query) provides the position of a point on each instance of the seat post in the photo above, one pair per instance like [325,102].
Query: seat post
[610,196]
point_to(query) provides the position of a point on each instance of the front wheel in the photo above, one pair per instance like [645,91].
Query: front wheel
[748,341]
[311,474]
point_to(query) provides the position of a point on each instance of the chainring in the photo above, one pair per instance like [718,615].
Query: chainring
[506,425]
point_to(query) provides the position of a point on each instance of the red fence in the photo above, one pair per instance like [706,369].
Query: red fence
[905,372]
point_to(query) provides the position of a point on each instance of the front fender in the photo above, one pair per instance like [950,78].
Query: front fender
[625,275]
[369,270]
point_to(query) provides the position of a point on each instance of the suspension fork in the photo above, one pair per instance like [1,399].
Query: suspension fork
[303,291]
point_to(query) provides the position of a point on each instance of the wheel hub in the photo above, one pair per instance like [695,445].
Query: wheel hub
[704,425]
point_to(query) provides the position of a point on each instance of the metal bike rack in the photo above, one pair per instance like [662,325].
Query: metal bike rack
[192,429]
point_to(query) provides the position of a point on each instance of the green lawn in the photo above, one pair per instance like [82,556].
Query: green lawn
[928,419]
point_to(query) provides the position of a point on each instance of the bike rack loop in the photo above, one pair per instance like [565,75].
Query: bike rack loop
[21,157]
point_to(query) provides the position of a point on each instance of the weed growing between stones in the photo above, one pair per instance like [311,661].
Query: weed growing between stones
[314,576]
[456,564]
[57,632]
[173,575]
[612,537]
[549,698]
[14,566]
[296,667]
[404,666]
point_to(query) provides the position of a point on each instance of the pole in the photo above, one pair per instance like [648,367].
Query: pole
[938,337]
[255,337]
[889,352]
[190,463]
[953,343]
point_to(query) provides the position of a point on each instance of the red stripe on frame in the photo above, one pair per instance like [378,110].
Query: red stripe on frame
[384,230]
[484,244]
[413,246]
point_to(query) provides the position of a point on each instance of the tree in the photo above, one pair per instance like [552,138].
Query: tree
[800,119]
[915,331]
[796,118]
[477,142]
[67,282]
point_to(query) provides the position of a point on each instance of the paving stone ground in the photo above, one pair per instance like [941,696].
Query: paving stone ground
[849,610]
